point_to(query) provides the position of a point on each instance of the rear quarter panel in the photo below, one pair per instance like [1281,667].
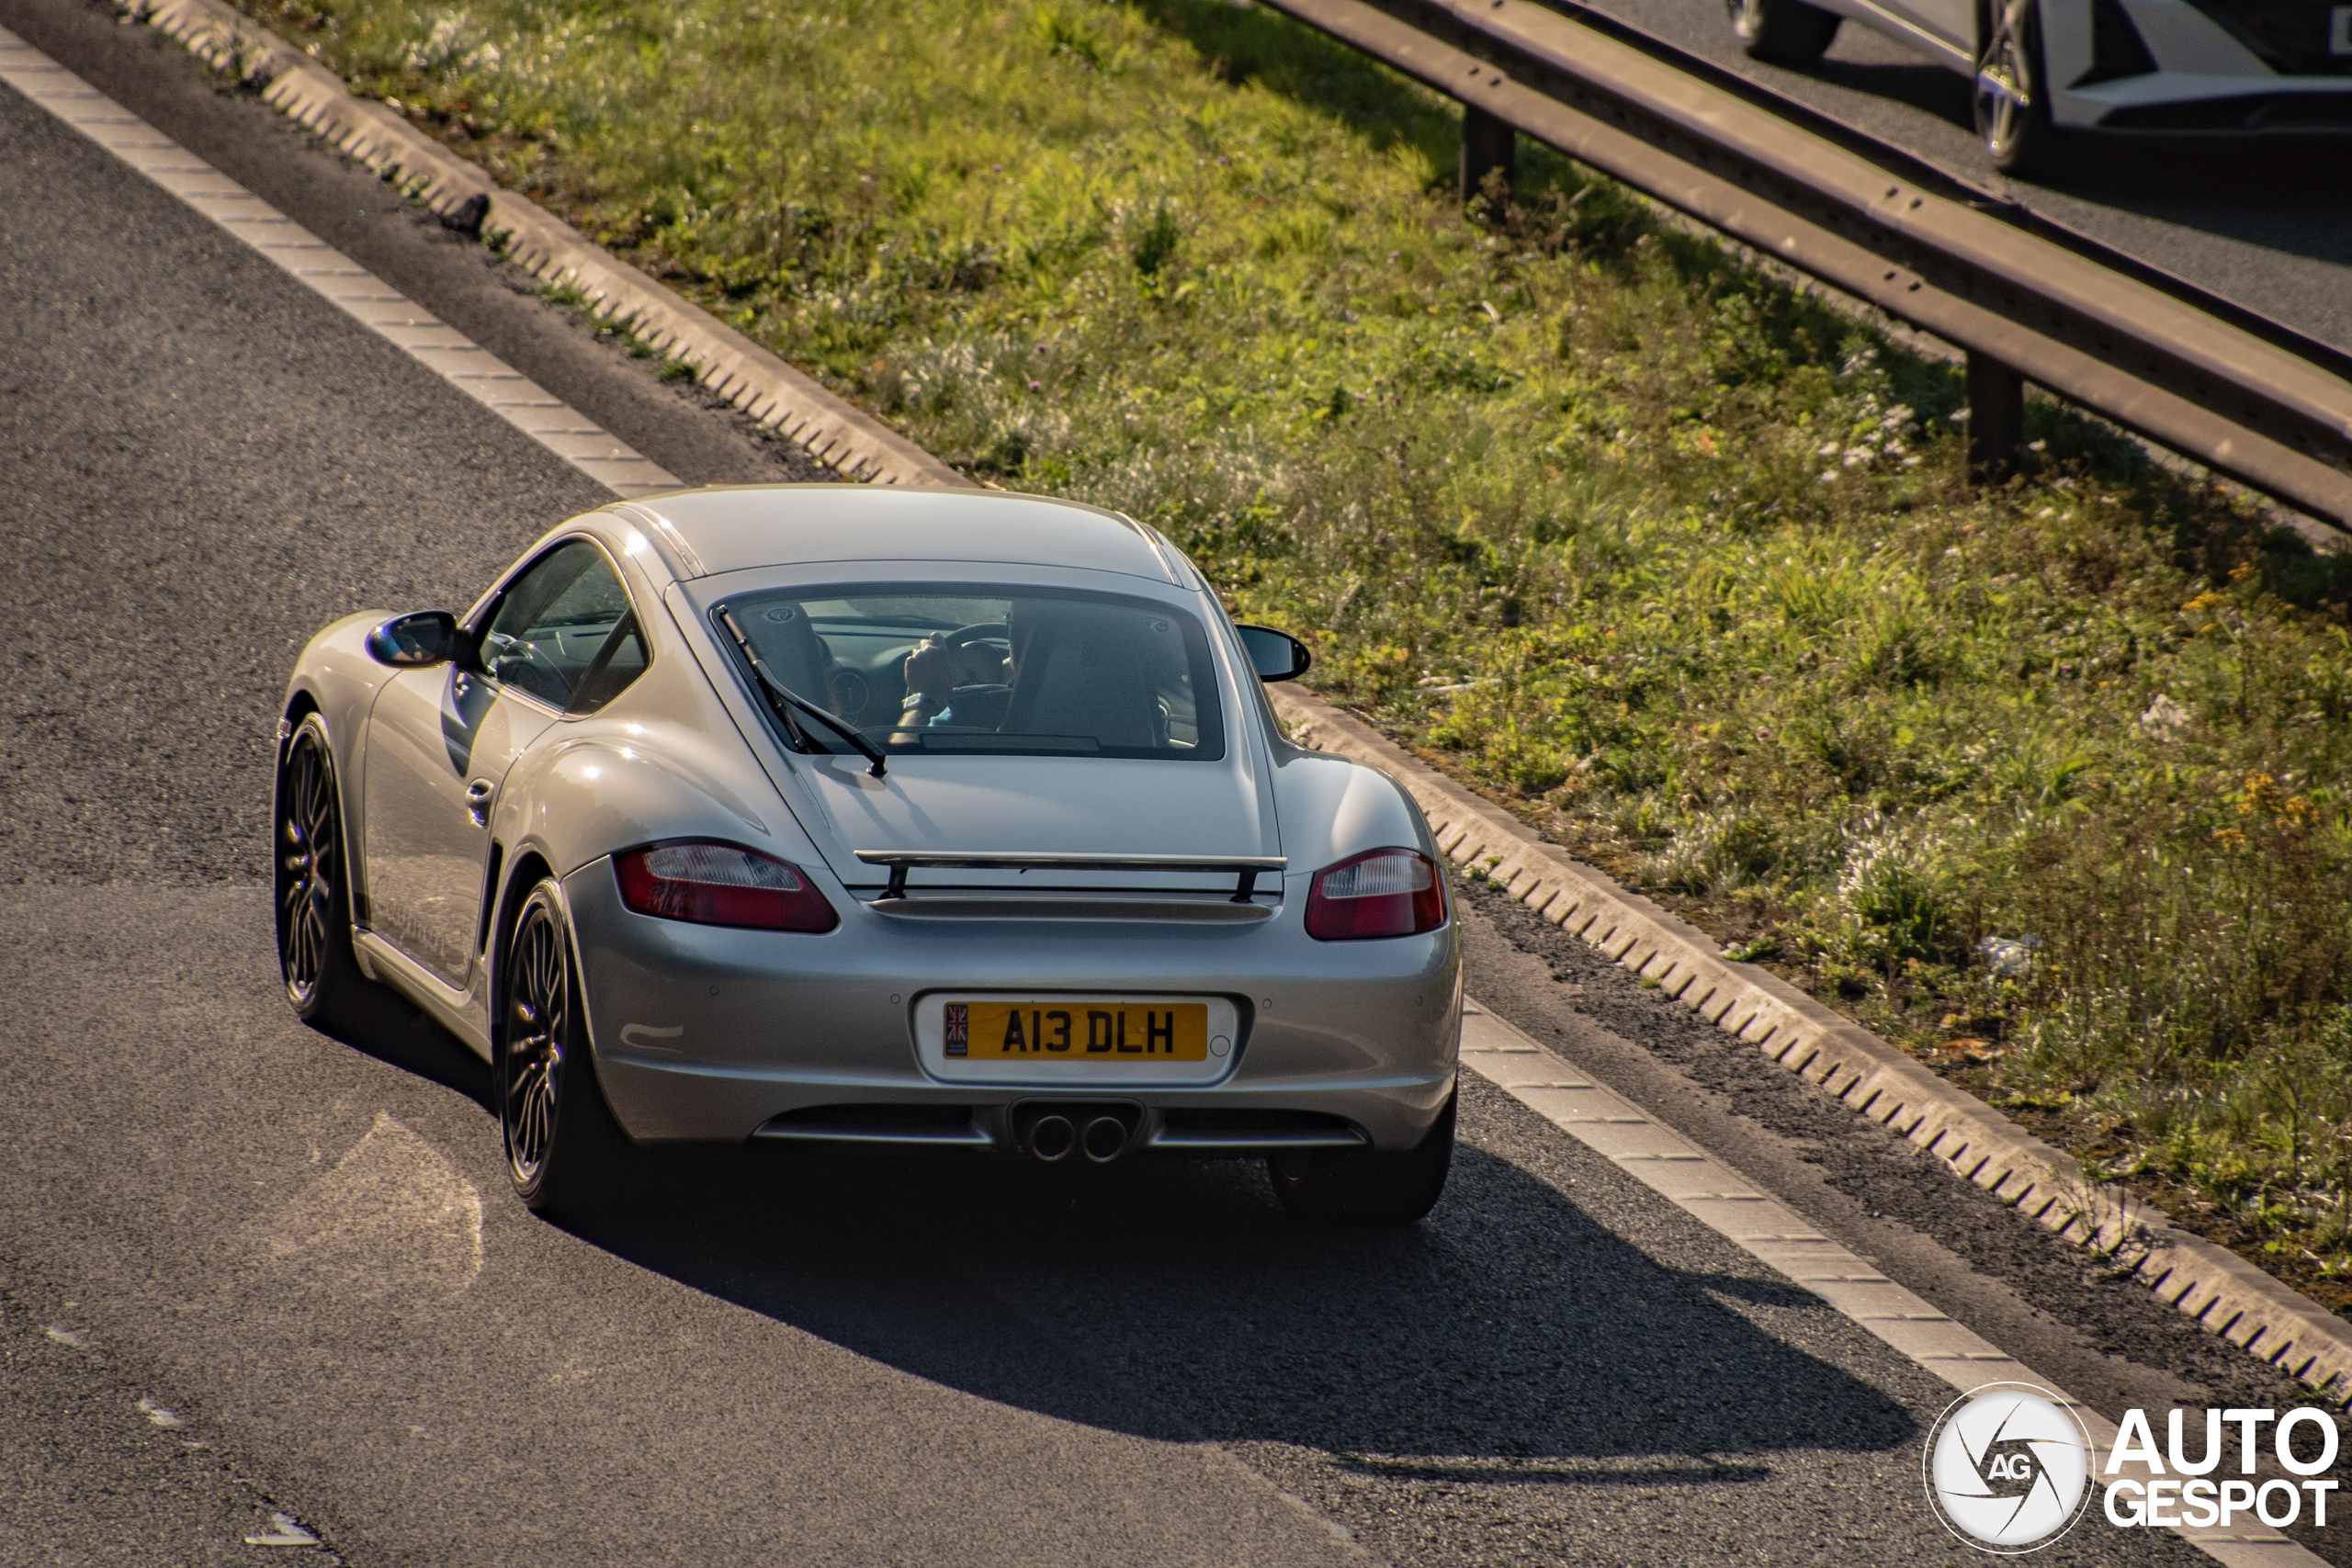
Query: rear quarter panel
[617,781]
[1331,807]
[662,761]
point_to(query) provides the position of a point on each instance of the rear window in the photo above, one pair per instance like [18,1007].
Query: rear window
[947,670]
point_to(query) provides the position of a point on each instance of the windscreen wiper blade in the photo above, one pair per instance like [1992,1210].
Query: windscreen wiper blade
[786,700]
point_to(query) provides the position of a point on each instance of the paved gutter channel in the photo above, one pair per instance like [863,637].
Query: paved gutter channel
[2104,1338]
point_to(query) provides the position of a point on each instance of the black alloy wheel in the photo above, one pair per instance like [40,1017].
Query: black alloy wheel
[1783,33]
[1356,1186]
[322,977]
[2012,98]
[561,1142]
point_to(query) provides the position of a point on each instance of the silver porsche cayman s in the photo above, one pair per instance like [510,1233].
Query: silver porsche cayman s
[853,815]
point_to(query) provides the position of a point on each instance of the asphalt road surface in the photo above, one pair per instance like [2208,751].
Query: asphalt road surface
[2266,222]
[260,1284]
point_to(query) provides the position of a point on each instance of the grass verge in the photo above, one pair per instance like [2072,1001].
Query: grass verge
[2045,782]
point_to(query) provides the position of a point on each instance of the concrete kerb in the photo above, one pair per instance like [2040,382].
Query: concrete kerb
[731,365]
[2219,1289]
[2214,1286]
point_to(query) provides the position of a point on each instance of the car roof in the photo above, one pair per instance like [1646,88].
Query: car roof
[731,527]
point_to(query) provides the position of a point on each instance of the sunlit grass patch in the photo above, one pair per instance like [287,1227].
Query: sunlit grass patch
[2047,782]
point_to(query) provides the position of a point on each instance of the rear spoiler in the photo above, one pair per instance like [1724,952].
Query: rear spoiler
[1246,867]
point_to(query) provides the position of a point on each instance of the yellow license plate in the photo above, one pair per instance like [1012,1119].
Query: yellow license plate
[1075,1031]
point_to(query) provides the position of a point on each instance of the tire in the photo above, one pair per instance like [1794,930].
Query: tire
[1783,33]
[322,977]
[2011,97]
[563,1148]
[1356,1188]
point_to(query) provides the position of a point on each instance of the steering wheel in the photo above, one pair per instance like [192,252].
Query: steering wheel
[995,632]
[982,700]
[983,631]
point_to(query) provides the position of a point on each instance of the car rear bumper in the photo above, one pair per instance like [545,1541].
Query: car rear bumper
[709,1034]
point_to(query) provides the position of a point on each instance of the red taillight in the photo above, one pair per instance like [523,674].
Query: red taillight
[1383,893]
[715,884]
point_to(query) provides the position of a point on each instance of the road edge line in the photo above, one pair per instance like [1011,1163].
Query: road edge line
[1714,1192]
[758,382]
[370,303]
[2223,1293]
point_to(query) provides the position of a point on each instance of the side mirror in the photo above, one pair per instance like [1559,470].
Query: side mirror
[1277,656]
[415,641]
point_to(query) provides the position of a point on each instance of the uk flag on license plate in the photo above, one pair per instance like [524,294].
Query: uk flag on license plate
[959,1029]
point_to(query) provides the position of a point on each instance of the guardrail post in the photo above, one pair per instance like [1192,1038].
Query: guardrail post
[1487,144]
[1995,418]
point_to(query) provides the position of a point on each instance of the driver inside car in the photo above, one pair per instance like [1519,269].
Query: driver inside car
[965,685]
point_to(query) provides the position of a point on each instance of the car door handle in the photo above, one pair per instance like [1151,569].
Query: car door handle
[478,796]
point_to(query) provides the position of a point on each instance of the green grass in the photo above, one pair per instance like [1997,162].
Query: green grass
[1676,560]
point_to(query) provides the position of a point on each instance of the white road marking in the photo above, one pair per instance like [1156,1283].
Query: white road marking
[284,1531]
[333,277]
[1729,1204]
[67,1337]
[161,1415]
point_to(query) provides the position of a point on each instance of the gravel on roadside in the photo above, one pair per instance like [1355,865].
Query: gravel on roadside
[1892,1179]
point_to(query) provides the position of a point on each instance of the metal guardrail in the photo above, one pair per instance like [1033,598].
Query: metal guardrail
[2189,372]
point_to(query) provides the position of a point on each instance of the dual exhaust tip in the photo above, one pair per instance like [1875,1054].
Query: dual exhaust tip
[1097,1133]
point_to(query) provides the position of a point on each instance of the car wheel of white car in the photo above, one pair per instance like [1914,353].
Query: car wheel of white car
[1783,33]
[314,957]
[1351,1187]
[2012,96]
[562,1141]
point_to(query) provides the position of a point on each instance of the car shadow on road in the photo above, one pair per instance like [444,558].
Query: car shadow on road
[1511,1336]
[399,1033]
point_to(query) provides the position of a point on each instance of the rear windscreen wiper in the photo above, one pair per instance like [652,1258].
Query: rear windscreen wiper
[786,700]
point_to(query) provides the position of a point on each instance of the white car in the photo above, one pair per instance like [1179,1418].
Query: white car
[843,816]
[2044,68]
